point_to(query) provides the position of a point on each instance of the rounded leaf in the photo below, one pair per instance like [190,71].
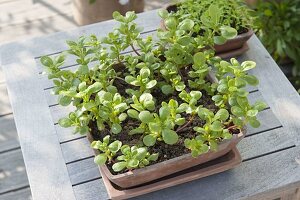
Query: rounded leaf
[116,128]
[146,116]
[199,59]
[167,89]
[186,25]
[247,65]
[228,32]
[65,122]
[100,159]
[169,136]
[151,84]
[153,157]
[115,146]
[133,163]
[133,113]
[149,140]
[252,113]
[222,115]
[119,166]
[254,122]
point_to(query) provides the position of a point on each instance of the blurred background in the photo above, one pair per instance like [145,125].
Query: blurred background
[277,25]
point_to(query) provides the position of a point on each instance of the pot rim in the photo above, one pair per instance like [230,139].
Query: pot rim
[156,166]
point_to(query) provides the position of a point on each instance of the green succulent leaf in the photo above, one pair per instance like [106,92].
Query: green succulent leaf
[119,166]
[228,32]
[100,159]
[146,116]
[116,128]
[186,25]
[169,136]
[149,140]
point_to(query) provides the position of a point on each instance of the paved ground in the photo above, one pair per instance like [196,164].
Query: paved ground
[19,20]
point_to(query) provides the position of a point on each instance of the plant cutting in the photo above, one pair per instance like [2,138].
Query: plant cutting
[226,24]
[158,109]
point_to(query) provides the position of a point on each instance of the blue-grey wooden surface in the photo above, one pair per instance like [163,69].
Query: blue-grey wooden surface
[60,165]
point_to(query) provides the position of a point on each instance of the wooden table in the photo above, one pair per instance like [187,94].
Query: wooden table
[60,165]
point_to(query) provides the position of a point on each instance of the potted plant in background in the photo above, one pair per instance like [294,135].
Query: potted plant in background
[92,11]
[227,22]
[154,111]
[279,30]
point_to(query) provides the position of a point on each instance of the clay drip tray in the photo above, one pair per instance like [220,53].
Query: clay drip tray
[226,162]
[234,53]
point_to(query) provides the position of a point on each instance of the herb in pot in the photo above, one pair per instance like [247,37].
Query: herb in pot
[157,98]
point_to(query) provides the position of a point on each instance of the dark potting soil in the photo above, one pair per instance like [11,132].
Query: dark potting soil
[165,151]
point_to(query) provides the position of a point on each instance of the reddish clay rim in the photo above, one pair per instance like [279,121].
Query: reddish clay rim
[154,167]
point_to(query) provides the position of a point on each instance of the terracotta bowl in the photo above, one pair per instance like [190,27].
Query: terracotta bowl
[147,174]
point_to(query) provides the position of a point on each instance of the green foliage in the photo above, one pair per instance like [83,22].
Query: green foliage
[153,94]
[279,31]
[107,150]
[213,22]
[133,157]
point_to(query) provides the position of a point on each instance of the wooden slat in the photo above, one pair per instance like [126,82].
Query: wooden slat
[93,190]
[278,92]
[43,158]
[5,107]
[56,42]
[83,171]
[263,174]
[22,194]
[8,134]
[12,171]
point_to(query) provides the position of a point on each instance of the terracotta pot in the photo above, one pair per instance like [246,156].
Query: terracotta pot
[153,172]
[86,13]
[233,44]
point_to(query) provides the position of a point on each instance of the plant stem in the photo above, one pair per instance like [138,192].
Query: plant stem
[185,125]
[116,77]
[135,51]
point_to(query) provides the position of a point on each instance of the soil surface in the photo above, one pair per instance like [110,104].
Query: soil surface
[165,151]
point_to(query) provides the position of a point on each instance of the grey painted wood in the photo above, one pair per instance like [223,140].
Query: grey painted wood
[47,172]
[8,134]
[83,171]
[5,107]
[276,89]
[256,176]
[56,42]
[249,147]
[93,190]
[22,194]
[12,171]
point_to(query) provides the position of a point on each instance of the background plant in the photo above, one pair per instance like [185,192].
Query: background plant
[217,20]
[160,93]
[279,31]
